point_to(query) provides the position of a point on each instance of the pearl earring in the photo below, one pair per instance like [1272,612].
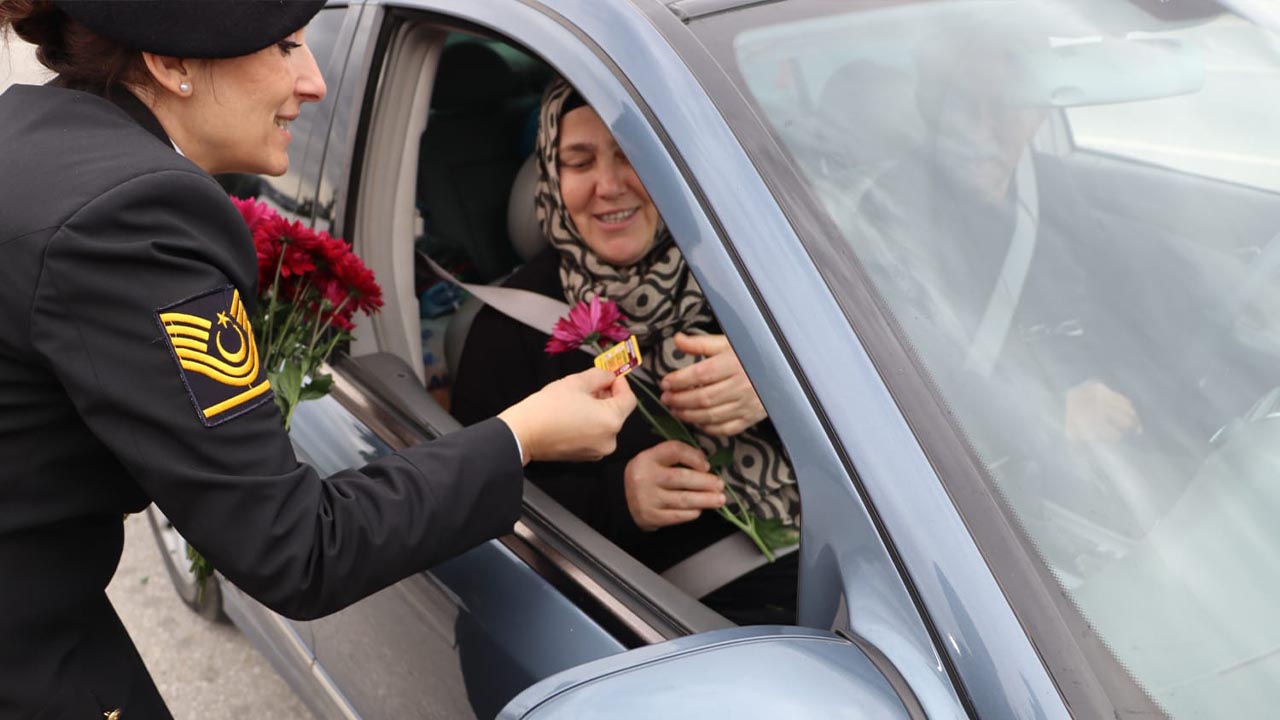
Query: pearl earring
[184,86]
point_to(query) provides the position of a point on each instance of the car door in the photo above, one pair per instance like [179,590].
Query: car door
[460,640]
[464,638]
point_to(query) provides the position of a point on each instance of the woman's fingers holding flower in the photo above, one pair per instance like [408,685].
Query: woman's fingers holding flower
[667,485]
[714,393]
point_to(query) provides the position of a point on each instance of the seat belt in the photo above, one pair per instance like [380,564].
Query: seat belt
[703,572]
[719,564]
[992,330]
[533,309]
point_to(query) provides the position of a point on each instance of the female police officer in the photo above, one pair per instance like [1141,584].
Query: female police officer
[103,226]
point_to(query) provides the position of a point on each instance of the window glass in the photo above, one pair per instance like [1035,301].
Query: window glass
[1069,211]
[1237,141]
[330,439]
[282,193]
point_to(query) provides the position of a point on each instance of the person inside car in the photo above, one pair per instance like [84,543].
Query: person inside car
[654,499]
[990,244]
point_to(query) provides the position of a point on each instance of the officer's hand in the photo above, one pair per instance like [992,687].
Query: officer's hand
[669,484]
[714,393]
[574,418]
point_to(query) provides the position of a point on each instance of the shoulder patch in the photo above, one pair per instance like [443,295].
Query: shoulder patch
[211,340]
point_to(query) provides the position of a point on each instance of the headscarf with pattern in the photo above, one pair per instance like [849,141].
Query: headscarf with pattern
[660,297]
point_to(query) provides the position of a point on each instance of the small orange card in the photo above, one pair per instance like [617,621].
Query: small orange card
[621,358]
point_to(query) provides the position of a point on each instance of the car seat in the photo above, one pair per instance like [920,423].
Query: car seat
[525,240]
[467,160]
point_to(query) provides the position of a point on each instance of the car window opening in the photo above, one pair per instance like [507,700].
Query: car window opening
[473,206]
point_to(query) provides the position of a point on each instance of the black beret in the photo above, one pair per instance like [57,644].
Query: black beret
[193,28]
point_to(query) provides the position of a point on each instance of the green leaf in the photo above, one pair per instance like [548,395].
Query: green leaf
[202,569]
[282,404]
[288,382]
[318,387]
[777,534]
[722,458]
[668,428]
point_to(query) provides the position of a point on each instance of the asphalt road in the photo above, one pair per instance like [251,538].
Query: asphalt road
[204,670]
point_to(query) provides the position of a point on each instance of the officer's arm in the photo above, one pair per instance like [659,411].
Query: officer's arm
[121,281]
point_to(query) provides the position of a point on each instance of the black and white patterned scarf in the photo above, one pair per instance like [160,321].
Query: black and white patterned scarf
[659,296]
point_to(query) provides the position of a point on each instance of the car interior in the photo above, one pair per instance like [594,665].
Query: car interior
[452,138]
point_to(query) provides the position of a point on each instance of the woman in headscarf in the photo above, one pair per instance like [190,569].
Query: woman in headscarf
[607,239]
[109,218]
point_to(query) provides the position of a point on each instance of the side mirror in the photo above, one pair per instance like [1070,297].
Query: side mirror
[742,673]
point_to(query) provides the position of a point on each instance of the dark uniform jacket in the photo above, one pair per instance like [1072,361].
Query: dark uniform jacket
[104,229]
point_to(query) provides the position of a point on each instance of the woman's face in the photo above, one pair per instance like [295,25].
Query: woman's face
[601,192]
[238,114]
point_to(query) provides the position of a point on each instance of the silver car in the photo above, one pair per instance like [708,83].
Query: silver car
[1003,273]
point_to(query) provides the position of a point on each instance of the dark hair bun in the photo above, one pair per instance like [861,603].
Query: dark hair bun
[36,21]
[78,55]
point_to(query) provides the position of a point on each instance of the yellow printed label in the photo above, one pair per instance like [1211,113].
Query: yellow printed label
[621,358]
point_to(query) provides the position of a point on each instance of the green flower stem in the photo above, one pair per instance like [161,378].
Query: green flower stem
[653,422]
[745,522]
[275,294]
[320,330]
[644,387]
[288,333]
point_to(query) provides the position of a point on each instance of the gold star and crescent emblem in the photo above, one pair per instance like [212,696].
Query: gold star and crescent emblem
[213,343]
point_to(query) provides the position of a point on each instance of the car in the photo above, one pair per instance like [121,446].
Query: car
[1001,271]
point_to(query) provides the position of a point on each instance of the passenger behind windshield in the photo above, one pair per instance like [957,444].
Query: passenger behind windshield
[985,246]
[654,499]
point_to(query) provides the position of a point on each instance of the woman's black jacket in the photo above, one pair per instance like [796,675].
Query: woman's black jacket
[104,229]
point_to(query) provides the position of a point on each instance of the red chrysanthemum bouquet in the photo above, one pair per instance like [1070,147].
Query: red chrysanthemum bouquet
[310,285]
[586,325]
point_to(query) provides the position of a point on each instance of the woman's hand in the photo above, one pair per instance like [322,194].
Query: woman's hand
[1095,412]
[574,418]
[669,484]
[714,393]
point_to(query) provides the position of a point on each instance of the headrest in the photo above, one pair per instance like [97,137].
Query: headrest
[522,218]
[869,136]
[471,73]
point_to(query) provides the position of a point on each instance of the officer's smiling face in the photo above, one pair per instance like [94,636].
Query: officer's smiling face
[237,113]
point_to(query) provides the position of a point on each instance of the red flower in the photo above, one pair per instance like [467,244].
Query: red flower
[359,283]
[586,323]
[306,279]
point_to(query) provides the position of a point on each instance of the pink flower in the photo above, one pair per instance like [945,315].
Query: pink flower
[587,323]
[253,211]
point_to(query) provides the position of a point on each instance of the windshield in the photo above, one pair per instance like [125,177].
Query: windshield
[1069,211]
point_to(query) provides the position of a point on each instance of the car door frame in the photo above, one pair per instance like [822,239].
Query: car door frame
[851,580]
[947,610]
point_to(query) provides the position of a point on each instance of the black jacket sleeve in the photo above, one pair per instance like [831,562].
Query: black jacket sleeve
[302,545]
